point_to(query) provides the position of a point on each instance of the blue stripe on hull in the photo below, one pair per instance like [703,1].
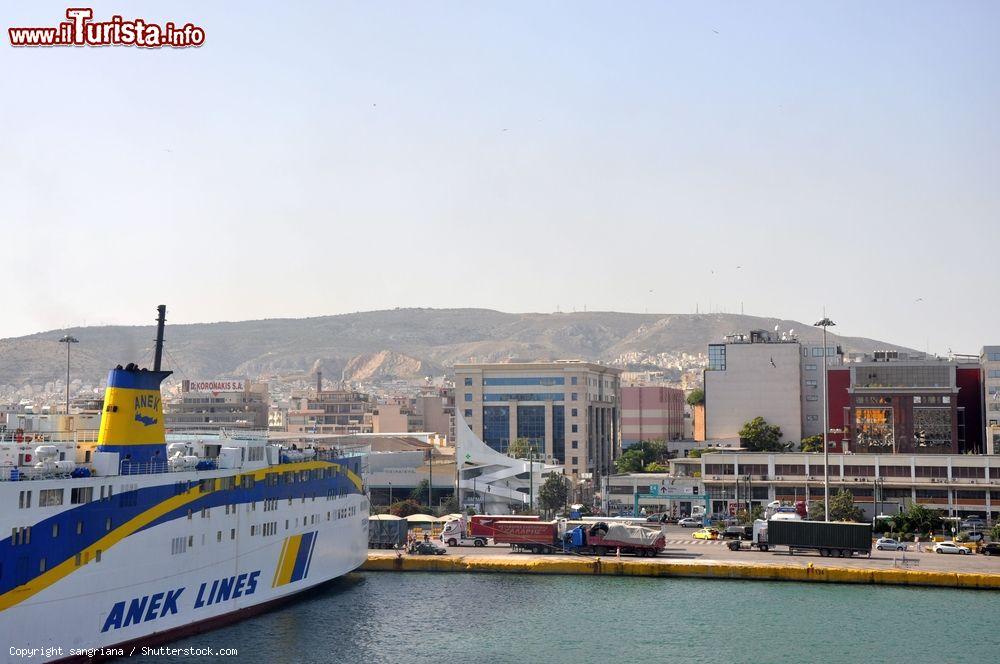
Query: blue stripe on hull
[305,548]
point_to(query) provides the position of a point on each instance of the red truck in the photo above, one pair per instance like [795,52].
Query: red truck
[484,525]
[476,530]
[535,536]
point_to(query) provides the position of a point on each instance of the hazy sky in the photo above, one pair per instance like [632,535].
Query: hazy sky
[320,158]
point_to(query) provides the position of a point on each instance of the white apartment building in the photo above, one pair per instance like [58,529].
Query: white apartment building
[770,375]
[989,362]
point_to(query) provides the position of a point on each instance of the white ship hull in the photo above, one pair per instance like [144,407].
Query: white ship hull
[167,566]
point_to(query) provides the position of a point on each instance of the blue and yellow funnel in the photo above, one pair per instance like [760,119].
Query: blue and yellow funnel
[132,423]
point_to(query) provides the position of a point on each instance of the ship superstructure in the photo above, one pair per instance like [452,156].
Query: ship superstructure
[136,540]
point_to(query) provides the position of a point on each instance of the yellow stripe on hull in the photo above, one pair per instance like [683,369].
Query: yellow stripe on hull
[287,564]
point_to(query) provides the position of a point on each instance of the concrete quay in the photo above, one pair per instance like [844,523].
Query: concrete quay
[884,569]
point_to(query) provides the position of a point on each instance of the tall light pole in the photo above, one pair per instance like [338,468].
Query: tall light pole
[69,340]
[825,323]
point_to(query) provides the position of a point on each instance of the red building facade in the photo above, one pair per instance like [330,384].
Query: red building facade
[905,407]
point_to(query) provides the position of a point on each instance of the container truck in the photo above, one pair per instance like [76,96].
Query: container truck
[828,538]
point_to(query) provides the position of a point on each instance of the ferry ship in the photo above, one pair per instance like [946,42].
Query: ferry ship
[134,540]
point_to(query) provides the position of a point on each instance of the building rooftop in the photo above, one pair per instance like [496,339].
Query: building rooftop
[554,365]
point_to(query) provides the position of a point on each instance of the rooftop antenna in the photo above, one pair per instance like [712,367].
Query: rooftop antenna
[161,319]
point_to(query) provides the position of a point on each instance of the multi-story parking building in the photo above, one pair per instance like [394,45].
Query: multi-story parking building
[568,410]
[957,484]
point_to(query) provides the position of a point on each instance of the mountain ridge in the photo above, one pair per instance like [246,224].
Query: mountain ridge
[390,343]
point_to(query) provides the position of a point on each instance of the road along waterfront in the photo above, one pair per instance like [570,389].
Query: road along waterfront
[507,618]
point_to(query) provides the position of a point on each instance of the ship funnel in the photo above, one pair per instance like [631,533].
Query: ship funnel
[132,421]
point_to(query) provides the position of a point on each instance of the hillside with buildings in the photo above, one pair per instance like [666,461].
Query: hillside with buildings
[392,344]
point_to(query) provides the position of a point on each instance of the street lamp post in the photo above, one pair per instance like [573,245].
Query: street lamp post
[69,340]
[825,323]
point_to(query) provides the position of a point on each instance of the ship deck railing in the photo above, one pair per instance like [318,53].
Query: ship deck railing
[49,437]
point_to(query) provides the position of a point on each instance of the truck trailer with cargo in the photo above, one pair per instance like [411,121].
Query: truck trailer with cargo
[601,539]
[826,538]
[584,538]
[386,534]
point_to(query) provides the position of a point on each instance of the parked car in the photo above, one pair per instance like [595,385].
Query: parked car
[990,549]
[656,517]
[738,533]
[951,547]
[690,522]
[973,523]
[889,544]
[427,549]
[973,536]
[706,534]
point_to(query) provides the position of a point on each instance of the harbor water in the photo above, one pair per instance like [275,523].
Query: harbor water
[423,617]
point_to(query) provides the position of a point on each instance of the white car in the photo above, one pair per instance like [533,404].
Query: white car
[889,544]
[690,522]
[951,547]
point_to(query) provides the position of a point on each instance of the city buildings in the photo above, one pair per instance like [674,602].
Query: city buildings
[651,413]
[328,411]
[218,404]
[432,410]
[891,402]
[567,410]
[989,361]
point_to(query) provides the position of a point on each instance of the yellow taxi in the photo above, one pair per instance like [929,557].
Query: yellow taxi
[706,534]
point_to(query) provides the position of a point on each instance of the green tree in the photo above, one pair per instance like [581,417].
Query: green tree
[812,444]
[995,532]
[520,448]
[696,397]
[450,505]
[842,508]
[645,452]
[759,436]
[405,508]
[554,492]
[747,518]
[419,493]
[656,467]
[630,462]
[917,519]
[699,451]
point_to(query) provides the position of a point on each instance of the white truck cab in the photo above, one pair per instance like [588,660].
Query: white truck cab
[456,533]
